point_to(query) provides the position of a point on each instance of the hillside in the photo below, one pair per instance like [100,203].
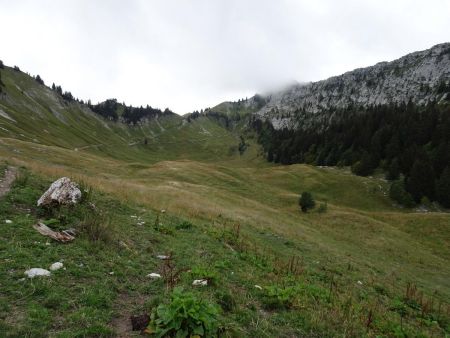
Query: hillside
[361,267]
[420,78]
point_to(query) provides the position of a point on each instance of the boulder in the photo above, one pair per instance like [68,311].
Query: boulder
[62,191]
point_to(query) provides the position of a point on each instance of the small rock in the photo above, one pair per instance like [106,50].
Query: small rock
[200,282]
[258,287]
[111,273]
[37,272]
[154,275]
[8,221]
[360,283]
[163,257]
[56,266]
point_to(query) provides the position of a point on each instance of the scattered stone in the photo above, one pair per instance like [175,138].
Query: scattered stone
[200,282]
[34,272]
[154,275]
[8,221]
[360,283]
[56,266]
[62,191]
[258,287]
[163,257]
[111,273]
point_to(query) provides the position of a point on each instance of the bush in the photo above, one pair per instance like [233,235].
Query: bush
[306,201]
[184,316]
[398,193]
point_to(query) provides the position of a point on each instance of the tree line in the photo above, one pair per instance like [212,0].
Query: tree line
[410,143]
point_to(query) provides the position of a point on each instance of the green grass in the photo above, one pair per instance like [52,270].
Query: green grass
[104,282]
[246,228]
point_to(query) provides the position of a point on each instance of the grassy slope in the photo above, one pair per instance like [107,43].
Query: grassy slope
[188,170]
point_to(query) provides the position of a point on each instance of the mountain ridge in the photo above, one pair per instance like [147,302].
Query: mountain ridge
[414,77]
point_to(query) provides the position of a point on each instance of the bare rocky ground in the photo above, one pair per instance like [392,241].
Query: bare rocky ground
[7,180]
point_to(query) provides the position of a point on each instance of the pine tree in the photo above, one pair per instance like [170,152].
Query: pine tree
[421,181]
[306,201]
[443,188]
[39,80]
[393,172]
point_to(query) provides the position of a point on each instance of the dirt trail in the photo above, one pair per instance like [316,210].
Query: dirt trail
[7,180]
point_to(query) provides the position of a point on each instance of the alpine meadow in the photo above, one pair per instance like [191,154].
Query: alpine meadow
[317,210]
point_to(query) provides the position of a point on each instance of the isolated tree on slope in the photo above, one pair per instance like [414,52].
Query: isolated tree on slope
[306,201]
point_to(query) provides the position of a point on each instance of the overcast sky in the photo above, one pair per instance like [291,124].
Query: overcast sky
[188,55]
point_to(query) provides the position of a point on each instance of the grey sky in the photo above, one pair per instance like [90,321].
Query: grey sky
[189,55]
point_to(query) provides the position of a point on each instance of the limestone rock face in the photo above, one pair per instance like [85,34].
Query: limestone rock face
[62,191]
[415,77]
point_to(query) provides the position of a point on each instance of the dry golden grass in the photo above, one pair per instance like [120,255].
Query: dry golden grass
[360,225]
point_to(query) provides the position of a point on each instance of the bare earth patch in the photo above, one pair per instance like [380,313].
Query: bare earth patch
[7,180]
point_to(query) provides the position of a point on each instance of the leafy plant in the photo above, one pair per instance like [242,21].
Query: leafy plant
[184,316]
[276,297]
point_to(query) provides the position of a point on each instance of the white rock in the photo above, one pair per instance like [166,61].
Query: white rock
[154,275]
[56,266]
[200,282]
[37,272]
[8,221]
[258,287]
[162,257]
[62,191]
[360,283]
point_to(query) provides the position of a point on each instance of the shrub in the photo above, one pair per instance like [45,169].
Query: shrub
[306,201]
[184,316]
[398,193]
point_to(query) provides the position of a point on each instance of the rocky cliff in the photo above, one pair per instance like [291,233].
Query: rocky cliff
[420,77]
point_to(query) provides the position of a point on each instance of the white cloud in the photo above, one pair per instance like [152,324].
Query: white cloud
[188,55]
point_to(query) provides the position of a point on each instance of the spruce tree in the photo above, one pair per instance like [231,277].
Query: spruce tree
[421,181]
[393,172]
[306,201]
[443,188]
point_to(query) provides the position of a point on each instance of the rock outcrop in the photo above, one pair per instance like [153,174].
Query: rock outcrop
[417,77]
[62,191]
